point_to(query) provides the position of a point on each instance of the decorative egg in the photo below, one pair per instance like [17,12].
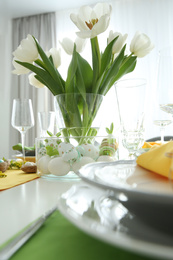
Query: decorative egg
[42,164]
[52,142]
[70,156]
[30,164]
[91,151]
[80,150]
[64,147]
[58,166]
[105,158]
[1,160]
[19,160]
[78,164]
[41,152]
[108,146]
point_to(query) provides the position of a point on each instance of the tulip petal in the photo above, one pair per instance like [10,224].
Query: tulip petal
[19,69]
[34,82]
[27,50]
[92,22]
[141,45]
[67,45]
[55,56]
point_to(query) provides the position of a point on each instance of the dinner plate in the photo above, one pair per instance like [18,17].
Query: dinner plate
[89,208]
[141,191]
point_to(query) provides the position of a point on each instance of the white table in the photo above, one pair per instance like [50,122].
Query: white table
[21,205]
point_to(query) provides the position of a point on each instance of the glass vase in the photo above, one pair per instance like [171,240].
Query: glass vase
[79,114]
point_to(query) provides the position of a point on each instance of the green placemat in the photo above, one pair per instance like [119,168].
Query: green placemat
[58,239]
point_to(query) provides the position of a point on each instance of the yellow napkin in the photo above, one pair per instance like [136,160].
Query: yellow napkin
[15,177]
[155,159]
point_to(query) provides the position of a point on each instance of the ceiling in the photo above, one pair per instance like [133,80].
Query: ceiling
[20,8]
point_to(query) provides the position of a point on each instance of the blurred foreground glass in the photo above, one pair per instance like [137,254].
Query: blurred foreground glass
[22,118]
[130,95]
[46,122]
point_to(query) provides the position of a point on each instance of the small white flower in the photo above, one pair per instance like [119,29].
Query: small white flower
[27,50]
[34,82]
[141,45]
[68,45]
[19,69]
[119,42]
[92,22]
[55,56]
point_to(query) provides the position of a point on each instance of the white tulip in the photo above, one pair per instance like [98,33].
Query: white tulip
[55,56]
[141,45]
[34,82]
[92,22]
[27,50]
[19,69]
[119,42]
[68,45]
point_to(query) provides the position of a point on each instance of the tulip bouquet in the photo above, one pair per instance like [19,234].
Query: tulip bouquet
[107,67]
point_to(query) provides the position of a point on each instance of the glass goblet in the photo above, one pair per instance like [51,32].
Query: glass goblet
[22,118]
[130,95]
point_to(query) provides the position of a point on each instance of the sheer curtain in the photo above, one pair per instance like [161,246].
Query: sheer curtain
[42,27]
[155,18]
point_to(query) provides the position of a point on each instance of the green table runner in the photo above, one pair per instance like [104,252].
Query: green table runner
[58,239]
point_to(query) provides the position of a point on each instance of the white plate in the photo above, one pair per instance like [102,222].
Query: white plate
[141,191]
[89,209]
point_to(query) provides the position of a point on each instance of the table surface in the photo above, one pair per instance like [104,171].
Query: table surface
[24,203]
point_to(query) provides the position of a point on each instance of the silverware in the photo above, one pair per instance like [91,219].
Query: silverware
[7,251]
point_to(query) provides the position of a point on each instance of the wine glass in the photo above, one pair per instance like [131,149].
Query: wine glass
[130,95]
[163,95]
[22,118]
[46,121]
[160,117]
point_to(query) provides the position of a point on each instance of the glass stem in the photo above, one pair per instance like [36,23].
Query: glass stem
[23,144]
[162,132]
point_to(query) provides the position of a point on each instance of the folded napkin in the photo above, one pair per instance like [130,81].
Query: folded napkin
[15,177]
[156,160]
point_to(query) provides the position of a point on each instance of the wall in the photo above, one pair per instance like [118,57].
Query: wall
[5,71]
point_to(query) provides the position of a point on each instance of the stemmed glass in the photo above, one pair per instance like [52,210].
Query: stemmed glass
[160,117]
[22,118]
[163,95]
[130,95]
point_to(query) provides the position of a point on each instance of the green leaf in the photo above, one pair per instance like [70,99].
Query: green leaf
[51,151]
[128,66]
[85,70]
[58,134]
[58,78]
[107,130]
[71,74]
[49,133]
[107,56]
[111,128]
[18,147]
[96,61]
[44,77]
[48,63]
[49,66]
[110,77]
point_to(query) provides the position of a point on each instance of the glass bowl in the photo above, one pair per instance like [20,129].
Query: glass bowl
[61,157]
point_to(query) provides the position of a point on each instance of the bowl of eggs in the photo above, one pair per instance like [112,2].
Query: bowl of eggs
[61,157]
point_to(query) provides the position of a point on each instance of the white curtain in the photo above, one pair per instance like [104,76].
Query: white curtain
[152,17]
[42,27]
